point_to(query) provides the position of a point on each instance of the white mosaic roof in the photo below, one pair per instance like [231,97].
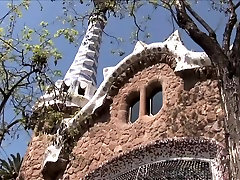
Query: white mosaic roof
[185,59]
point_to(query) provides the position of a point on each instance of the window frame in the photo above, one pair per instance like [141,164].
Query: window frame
[144,97]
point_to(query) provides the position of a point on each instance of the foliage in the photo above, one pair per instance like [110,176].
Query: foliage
[9,169]
[48,119]
[25,56]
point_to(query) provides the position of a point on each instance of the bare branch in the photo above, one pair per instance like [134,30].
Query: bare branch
[135,19]
[10,45]
[6,74]
[115,38]
[201,21]
[173,14]
[3,93]
[229,27]
[209,44]
[6,129]
[9,93]
[237,5]
[236,44]
[8,13]
[135,22]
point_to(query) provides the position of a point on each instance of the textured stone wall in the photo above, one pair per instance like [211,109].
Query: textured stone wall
[33,160]
[191,108]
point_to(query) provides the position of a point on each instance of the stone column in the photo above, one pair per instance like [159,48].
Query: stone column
[142,104]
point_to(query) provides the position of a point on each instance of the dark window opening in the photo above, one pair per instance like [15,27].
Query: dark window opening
[154,100]
[133,106]
[64,87]
[134,112]
[81,91]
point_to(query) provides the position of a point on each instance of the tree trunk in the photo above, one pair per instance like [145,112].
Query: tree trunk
[230,99]
[228,67]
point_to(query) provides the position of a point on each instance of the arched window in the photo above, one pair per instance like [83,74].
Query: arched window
[81,91]
[133,106]
[150,106]
[134,112]
[154,99]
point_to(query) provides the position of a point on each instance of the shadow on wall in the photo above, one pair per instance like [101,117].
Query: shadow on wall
[191,77]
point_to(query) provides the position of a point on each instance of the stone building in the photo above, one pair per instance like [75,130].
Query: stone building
[156,115]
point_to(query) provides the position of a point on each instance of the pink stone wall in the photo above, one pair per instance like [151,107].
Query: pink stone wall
[187,112]
[32,163]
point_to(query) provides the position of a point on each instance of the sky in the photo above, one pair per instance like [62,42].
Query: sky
[159,28]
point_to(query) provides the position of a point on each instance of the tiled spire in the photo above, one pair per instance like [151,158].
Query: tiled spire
[81,76]
[80,80]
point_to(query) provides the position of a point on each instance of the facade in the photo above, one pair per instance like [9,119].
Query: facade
[156,115]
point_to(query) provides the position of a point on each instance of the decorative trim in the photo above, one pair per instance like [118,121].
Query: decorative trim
[160,150]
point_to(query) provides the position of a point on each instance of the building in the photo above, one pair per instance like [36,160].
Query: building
[156,115]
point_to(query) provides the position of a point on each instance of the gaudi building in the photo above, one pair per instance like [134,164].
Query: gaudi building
[156,115]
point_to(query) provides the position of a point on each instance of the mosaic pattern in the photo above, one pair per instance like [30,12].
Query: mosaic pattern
[79,82]
[194,155]
[80,79]
[170,170]
[84,67]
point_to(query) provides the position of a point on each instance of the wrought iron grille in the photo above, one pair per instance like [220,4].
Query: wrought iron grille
[169,170]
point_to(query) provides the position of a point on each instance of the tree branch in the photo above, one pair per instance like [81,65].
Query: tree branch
[5,99]
[3,93]
[6,74]
[135,19]
[208,44]
[229,27]
[169,6]
[5,130]
[10,45]
[9,12]
[236,45]
[237,5]
[201,21]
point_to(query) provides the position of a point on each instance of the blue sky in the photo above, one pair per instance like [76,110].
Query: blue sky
[159,28]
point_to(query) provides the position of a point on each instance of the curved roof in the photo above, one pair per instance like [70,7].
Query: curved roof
[141,55]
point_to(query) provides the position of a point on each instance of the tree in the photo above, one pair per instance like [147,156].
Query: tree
[9,169]
[25,72]
[224,57]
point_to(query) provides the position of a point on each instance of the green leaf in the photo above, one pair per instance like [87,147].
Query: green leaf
[26,4]
[1,31]
[58,73]
[10,169]
[43,24]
